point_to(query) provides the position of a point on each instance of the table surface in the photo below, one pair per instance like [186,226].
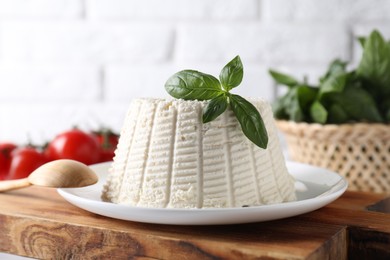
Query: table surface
[37,222]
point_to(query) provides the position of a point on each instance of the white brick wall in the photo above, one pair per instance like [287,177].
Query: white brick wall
[256,42]
[173,10]
[84,41]
[48,84]
[80,62]
[41,9]
[351,11]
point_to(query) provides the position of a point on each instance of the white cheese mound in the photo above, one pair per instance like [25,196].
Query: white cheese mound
[167,158]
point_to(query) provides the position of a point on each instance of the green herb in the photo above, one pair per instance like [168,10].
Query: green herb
[318,112]
[283,78]
[231,75]
[215,107]
[250,120]
[190,84]
[295,104]
[360,95]
[195,85]
[374,66]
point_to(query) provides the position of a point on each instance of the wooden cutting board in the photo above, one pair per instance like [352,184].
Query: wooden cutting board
[38,223]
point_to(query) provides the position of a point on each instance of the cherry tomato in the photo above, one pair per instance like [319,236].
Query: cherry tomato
[108,141]
[5,158]
[4,166]
[107,155]
[76,145]
[24,161]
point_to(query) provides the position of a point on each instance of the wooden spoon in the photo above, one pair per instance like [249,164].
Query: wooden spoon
[55,174]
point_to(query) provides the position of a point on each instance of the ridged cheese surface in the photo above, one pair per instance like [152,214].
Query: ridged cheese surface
[167,158]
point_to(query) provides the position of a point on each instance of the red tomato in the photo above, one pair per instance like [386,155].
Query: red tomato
[106,155]
[3,166]
[76,145]
[24,161]
[108,142]
[5,158]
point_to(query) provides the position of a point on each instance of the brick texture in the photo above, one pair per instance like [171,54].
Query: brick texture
[324,11]
[259,43]
[68,62]
[39,123]
[173,9]
[41,9]
[80,41]
[48,83]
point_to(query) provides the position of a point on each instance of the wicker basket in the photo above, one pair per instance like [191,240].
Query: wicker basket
[360,152]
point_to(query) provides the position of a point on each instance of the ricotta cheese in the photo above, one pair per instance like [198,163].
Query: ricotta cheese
[167,158]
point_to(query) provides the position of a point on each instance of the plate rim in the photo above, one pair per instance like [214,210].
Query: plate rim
[91,204]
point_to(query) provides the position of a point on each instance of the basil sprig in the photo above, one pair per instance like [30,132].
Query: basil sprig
[341,95]
[195,85]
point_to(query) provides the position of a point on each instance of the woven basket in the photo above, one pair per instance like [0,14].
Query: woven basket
[360,152]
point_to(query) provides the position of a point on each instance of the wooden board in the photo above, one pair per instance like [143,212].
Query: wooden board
[37,222]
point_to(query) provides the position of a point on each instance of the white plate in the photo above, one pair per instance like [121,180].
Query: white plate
[315,188]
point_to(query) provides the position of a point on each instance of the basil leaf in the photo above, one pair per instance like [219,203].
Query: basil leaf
[279,108]
[292,106]
[231,75]
[283,79]
[362,41]
[214,108]
[334,83]
[337,114]
[374,66]
[358,104]
[387,115]
[361,105]
[250,120]
[306,95]
[385,108]
[296,102]
[318,113]
[191,84]
[337,67]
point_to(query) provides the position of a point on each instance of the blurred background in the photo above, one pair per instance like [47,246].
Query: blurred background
[66,63]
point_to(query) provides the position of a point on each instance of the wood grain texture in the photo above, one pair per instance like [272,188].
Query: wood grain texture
[37,222]
[365,243]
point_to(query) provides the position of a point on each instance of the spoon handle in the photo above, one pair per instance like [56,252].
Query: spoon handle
[14,184]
